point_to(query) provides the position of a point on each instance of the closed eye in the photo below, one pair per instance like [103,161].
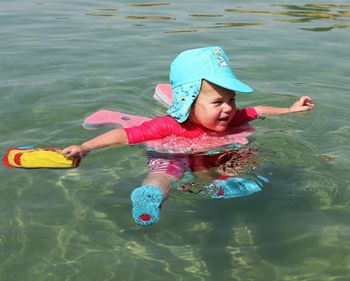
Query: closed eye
[217,102]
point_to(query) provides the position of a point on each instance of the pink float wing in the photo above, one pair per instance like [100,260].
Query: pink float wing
[112,119]
[163,94]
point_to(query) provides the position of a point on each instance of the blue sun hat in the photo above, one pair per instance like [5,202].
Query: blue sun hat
[189,69]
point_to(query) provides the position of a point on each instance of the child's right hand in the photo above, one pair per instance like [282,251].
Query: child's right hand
[74,151]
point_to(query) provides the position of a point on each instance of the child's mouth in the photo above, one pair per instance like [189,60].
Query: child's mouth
[223,119]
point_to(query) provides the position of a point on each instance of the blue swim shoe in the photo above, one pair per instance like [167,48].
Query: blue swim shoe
[146,202]
[234,187]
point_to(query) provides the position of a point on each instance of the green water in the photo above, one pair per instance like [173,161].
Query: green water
[62,60]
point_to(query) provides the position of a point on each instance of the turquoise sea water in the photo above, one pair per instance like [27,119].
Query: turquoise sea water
[62,60]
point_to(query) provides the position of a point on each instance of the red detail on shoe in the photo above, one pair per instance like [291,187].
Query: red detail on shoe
[17,159]
[145,217]
[220,192]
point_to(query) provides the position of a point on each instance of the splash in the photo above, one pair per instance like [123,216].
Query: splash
[211,143]
[206,15]
[150,18]
[112,12]
[149,4]
[305,13]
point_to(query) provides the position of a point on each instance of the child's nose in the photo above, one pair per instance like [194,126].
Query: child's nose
[228,107]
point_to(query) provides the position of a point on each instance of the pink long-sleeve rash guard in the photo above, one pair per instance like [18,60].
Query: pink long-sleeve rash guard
[162,127]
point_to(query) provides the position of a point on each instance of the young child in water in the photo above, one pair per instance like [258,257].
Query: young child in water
[204,92]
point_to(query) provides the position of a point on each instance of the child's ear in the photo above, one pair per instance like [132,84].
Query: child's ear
[203,85]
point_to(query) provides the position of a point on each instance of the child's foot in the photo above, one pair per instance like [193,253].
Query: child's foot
[234,187]
[146,202]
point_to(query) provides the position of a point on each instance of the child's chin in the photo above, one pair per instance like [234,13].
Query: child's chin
[220,128]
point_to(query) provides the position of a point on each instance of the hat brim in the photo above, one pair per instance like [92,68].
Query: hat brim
[229,82]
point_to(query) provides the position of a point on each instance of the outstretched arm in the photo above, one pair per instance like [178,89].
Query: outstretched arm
[113,137]
[304,103]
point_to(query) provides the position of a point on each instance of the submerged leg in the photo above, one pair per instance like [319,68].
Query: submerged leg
[147,199]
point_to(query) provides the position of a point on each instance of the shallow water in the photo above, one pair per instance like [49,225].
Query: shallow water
[62,60]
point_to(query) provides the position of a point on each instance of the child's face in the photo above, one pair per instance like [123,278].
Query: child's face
[214,108]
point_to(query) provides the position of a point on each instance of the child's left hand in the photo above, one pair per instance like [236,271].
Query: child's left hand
[304,103]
